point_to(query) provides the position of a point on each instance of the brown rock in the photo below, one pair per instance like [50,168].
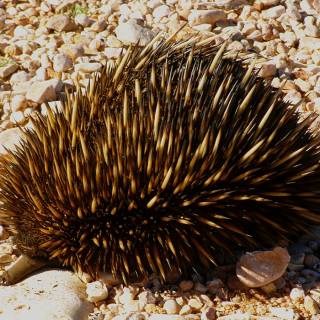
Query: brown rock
[60,22]
[258,268]
[72,50]
[99,25]
[234,283]
[53,74]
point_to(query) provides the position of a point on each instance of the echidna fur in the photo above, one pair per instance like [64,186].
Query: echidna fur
[175,154]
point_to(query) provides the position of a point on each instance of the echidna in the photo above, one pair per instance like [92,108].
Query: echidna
[175,154]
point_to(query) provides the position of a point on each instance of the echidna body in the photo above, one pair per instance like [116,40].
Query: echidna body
[174,155]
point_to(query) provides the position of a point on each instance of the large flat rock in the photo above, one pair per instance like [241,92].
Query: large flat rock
[48,294]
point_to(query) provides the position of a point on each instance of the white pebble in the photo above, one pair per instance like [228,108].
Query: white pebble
[61,62]
[18,103]
[96,291]
[297,294]
[171,307]
[17,117]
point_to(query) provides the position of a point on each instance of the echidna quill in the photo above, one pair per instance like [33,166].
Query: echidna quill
[175,154]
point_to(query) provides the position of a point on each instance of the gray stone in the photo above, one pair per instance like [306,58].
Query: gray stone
[297,248]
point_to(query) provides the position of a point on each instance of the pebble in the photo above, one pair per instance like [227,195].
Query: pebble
[258,268]
[206,16]
[171,307]
[130,33]
[96,291]
[60,22]
[41,91]
[297,294]
[7,70]
[17,117]
[61,62]
[88,67]
[311,306]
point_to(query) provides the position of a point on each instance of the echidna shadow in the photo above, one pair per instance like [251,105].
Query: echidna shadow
[175,154]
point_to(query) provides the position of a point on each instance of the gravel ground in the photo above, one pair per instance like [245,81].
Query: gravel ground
[48,47]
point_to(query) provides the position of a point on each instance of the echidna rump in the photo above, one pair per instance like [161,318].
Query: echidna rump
[175,154]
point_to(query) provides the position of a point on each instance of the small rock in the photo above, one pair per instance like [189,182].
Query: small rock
[146,297]
[61,62]
[186,285]
[258,268]
[8,69]
[20,31]
[88,67]
[19,77]
[279,283]
[310,273]
[297,258]
[161,11]
[17,117]
[99,26]
[40,92]
[96,291]
[171,307]
[267,70]
[42,74]
[234,283]
[5,258]
[200,287]
[195,304]
[274,12]
[126,297]
[82,20]
[185,310]
[269,288]
[19,103]
[132,33]
[311,306]
[60,22]
[206,16]
[74,51]
[297,294]
[132,306]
